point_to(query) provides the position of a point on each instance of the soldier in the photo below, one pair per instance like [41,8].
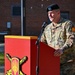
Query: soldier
[58,34]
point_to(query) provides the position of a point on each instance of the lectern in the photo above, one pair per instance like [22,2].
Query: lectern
[21,54]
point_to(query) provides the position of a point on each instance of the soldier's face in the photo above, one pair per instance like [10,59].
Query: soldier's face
[53,15]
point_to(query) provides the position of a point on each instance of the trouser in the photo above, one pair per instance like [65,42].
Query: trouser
[67,69]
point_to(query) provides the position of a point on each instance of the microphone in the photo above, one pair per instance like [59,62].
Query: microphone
[42,29]
[44,24]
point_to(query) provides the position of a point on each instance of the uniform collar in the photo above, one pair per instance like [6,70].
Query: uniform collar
[58,24]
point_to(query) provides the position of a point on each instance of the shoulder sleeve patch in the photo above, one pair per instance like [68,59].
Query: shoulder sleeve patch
[73,29]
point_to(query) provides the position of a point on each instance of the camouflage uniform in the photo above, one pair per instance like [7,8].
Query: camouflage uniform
[58,37]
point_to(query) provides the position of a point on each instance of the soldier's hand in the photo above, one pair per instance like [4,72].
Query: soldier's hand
[58,52]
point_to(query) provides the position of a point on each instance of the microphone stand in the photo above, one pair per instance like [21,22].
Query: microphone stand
[38,48]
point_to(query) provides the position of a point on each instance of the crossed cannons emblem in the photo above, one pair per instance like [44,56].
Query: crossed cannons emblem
[15,65]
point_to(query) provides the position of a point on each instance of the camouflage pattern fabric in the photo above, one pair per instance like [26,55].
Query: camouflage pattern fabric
[67,62]
[62,36]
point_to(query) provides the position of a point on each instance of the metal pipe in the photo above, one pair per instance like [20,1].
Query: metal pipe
[21,17]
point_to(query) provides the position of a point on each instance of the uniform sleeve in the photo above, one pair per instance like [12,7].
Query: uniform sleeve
[69,35]
[43,39]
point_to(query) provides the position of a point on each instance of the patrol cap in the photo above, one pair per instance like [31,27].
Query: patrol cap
[52,7]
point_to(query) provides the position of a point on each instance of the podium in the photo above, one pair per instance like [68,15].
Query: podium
[21,57]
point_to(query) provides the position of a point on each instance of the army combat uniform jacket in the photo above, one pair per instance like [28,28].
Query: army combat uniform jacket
[60,36]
